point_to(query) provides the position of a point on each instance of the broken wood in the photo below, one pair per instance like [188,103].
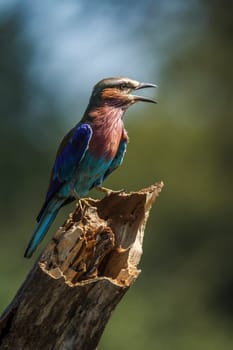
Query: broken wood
[85,270]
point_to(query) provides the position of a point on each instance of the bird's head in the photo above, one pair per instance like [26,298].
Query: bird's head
[118,92]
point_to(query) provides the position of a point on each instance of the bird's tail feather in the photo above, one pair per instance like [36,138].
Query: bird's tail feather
[41,229]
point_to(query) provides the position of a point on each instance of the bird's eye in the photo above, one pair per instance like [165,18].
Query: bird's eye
[124,86]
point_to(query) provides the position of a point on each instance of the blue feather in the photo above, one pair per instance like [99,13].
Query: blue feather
[68,159]
[40,232]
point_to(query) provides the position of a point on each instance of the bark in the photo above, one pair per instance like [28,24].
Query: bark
[87,267]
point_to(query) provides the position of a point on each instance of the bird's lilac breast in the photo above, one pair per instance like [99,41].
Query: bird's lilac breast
[106,138]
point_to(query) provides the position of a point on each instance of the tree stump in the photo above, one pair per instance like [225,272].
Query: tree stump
[85,270]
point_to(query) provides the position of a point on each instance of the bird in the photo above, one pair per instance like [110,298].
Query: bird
[90,151]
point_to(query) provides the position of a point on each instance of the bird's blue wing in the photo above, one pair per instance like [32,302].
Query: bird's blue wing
[71,151]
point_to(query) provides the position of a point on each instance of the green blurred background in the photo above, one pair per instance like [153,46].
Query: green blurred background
[52,53]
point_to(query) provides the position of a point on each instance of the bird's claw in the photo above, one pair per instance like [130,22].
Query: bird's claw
[108,191]
[83,203]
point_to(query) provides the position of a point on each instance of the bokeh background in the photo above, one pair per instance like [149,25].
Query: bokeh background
[52,53]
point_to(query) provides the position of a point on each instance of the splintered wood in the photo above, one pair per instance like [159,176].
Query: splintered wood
[101,239]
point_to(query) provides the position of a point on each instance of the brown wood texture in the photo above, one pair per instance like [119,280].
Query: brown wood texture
[87,267]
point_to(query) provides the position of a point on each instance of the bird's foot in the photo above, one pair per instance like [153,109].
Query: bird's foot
[83,203]
[108,191]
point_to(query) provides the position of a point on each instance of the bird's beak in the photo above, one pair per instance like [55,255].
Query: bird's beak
[142,98]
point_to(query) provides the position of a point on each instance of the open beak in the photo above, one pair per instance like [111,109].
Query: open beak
[142,98]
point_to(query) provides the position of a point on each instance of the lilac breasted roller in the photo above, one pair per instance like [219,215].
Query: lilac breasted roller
[90,151]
